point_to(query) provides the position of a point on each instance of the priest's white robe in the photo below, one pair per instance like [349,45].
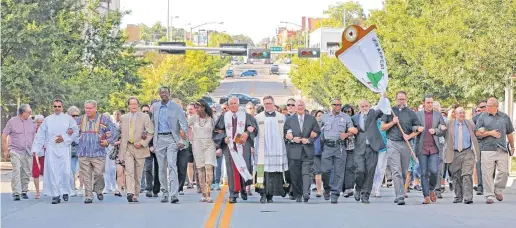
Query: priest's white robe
[57,173]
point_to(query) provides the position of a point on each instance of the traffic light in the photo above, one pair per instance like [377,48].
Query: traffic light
[172,44]
[308,52]
[233,53]
[259,53]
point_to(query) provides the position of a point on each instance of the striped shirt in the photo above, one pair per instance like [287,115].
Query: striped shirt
[90,132]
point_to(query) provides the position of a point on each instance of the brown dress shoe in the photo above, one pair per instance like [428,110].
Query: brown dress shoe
[427,200]
[433,196]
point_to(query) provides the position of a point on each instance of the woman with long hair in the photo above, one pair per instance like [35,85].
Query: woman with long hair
[203,146]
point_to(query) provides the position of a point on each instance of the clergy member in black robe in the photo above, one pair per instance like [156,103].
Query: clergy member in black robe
[236,183]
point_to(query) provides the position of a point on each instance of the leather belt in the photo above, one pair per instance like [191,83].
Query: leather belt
[165,133]
[463,149]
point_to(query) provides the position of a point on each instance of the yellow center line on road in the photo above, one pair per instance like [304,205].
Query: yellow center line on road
[225,220]
[215,211]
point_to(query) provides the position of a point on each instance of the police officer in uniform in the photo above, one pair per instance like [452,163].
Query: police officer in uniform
[337,126]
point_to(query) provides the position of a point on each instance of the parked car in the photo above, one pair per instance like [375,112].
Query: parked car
[242,98]
[287,61]
[274,69]
[229,73]
[248,73]
[208,100]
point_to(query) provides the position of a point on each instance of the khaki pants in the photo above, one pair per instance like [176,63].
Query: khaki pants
[462,174]
[494,161]
[22,168]
[133,170]
[92,172]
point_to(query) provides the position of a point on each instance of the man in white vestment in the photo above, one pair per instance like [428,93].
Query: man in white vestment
[53,135]
[271,166]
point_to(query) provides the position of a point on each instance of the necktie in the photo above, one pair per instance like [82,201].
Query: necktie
[362,121]
[301,123]
[131,129]
[459,146]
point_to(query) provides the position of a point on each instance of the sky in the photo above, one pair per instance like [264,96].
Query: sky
[256,19]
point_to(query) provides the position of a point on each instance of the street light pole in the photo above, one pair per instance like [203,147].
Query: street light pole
[197,26]
[168,20]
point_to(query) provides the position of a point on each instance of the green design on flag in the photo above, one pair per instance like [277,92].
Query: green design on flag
[375,78]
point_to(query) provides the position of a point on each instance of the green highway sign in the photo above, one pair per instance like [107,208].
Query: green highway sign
[276,48]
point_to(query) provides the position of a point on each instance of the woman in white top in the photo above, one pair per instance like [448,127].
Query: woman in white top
[203,146]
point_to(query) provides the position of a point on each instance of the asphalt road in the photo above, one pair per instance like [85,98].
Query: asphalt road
[261,85]
[149,212]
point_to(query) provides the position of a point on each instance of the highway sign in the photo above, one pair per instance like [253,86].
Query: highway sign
[276,48]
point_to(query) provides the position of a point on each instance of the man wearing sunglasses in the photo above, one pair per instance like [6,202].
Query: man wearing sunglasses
[53,135]
[336,127]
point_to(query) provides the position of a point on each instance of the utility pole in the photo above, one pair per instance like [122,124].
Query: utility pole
[168,20]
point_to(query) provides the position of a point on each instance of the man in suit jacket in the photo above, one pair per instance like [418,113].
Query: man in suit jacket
[429,148]
[134,149]
[170,130]
[301,130]
[461,152]
[367,144]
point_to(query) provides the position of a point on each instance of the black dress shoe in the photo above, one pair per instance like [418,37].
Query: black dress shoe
[174,199]
[480,190]
[457,200]
[88,201]
[148,194]
[270,200]
[24,195]
[468,201]
[155,195]
[130,197]
[292,198]
[100,196]
[164,199]
[118,194]
[65,197]
[365,199]
[326,195]
[401,201]
[232,200]
[334,198]
[16,197]
[263,199]
[357,195]
[306,197]
[243,195]
[55,200]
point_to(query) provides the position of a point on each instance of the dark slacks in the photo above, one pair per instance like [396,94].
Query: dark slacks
[365,163]
[301,172]
[151,174]
[182,166]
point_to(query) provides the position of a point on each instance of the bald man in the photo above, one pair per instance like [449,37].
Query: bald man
[493,130]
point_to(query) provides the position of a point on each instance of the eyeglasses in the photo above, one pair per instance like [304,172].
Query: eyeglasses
[291,105]
[55,106]
[145,111]
[482,106]
[337,105]
[75,115]
[270,104]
